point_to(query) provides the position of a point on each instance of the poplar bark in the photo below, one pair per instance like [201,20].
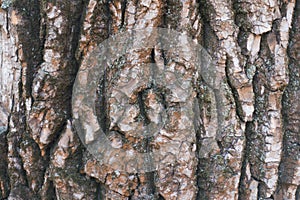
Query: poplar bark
[245,139]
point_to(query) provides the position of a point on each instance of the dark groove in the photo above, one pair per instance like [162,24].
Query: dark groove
[199,129]
[52,191]
[102,104]
[102,90]
[149,176]
[160,197]
[3,165]
[142,107]
[7,24]
[161,91]
[290,110]
[210,44]
[109,18]
[99,192]
[298,193]
[242,185]
[15,138]
[30,28]
[124,4]
[238,105]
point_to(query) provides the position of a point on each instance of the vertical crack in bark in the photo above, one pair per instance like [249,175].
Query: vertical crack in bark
[205,166]
[245,176]
[142,107]
[289,180]
[66,144]
[16,171]
[49,66]
[31,49]
[127,17]
[16,117]
[266,140]
[4,179]
[147,179]
[226,144]
[61,70]
[30,58]
[101,104]
[202,178]
[124,4]
[237,101]
[7,24]
[99,192]
[260,52]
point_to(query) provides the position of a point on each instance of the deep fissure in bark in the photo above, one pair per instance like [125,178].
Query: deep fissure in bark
[36,181]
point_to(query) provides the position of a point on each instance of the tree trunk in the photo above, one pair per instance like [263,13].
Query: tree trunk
[233,133]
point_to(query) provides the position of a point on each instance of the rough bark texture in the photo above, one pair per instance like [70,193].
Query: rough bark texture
[246,144]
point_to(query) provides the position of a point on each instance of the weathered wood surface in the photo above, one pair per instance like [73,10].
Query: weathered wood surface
[245,142]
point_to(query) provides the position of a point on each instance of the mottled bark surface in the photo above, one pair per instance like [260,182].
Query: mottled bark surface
[243,144]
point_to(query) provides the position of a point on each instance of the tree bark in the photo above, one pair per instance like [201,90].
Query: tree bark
[243,142]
